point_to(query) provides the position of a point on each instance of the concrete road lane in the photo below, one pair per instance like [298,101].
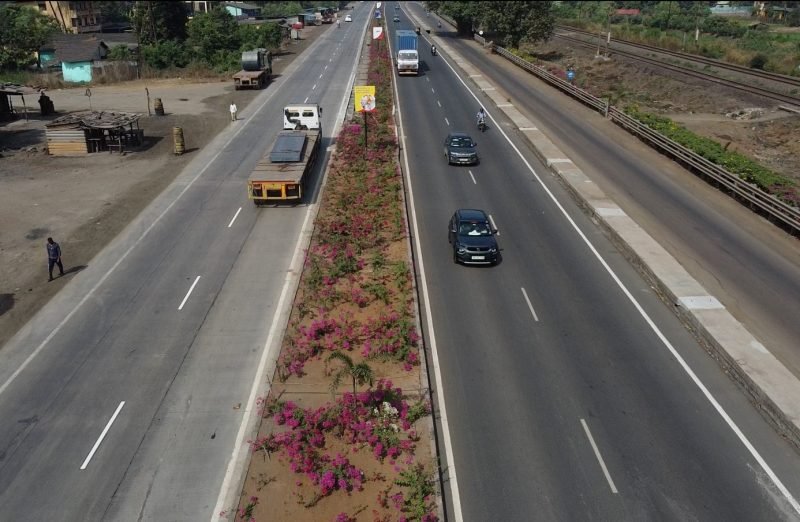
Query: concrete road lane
[172,320]
[581,411]
[752,266]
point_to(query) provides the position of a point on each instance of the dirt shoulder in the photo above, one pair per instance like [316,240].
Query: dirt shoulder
[749,124]
[85,202]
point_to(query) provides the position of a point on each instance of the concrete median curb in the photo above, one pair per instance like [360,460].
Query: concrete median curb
[773,389]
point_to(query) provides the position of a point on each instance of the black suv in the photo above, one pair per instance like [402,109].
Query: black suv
[472,236]
[460,148]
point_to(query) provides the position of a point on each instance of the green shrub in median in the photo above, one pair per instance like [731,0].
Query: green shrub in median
[748,170]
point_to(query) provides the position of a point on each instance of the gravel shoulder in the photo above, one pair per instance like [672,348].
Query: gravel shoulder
[84,202]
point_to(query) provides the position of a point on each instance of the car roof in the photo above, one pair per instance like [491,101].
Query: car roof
[471,214]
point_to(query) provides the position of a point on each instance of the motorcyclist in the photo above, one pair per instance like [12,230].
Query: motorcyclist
[338,23]
[481,117]
[433,50]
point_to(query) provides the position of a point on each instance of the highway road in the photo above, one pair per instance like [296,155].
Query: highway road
[750,265]
[123,399]
[571,391]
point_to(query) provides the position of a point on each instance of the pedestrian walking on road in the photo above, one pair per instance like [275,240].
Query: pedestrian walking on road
[233,111]
[53,257]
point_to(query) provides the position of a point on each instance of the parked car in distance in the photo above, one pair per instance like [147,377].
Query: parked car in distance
[460,148]
[472,236]
[348,18]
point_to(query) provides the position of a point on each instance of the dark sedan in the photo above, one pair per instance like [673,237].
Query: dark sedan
[473,238]
[460,148]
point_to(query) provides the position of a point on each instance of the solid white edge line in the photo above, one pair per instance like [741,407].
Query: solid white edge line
[102,436]
[599,457]
[124,256]
[450,468]
[530,306]
[234,217]
[238,448]
[718,407]
[196,279]
[494,225]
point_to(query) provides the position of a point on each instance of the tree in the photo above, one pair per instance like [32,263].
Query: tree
[514,22]
[158,21]
[272,9]
[115,12]
[467,15]
[268,36]
[213,31]
[361,373]
[23,31]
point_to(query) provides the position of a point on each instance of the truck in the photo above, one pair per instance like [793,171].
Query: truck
[309,18]
[328,15]
[256,70]
[407,58]
[280,176]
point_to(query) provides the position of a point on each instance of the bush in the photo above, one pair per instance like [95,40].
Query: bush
[720,26]
[745,168]
[120,53]
[166,54]
[758,61]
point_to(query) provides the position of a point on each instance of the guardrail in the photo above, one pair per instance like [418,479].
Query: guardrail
[776,210]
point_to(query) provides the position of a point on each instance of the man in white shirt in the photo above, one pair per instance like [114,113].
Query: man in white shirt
[233,111]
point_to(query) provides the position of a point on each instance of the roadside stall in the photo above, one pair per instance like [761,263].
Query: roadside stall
[85,132]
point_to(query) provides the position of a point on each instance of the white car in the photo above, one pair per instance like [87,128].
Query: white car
[348,18]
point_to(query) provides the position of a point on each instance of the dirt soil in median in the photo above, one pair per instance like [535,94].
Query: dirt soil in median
[751,125]
[84,202]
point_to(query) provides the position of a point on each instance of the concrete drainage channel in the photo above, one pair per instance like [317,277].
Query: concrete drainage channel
[770,386]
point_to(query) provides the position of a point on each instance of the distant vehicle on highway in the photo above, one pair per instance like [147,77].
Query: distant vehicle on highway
[396,19]
[348,18]
[460,148]
[472,235]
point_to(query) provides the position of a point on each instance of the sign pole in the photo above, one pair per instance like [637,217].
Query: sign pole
[365,129]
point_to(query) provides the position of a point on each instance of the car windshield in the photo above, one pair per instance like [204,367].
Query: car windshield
[460,142]
[474,229]
[408,55]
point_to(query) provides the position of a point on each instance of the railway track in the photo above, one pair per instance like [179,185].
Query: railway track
[787,81]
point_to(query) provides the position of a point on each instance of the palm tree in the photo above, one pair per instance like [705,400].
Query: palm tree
[361,373]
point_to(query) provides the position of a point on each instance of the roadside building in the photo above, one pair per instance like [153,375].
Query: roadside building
[242,9]
[72,17]
[81,56]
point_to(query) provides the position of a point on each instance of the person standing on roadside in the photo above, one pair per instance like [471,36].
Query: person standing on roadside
[53,257]
[233,109]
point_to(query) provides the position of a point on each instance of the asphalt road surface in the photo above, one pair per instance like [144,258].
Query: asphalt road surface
[572,392]
[123,398]
[749,264]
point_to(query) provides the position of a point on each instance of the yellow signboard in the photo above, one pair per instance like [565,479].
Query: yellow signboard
[364,98]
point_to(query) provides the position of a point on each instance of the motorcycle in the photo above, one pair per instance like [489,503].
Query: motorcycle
[482,124]
[433,51]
